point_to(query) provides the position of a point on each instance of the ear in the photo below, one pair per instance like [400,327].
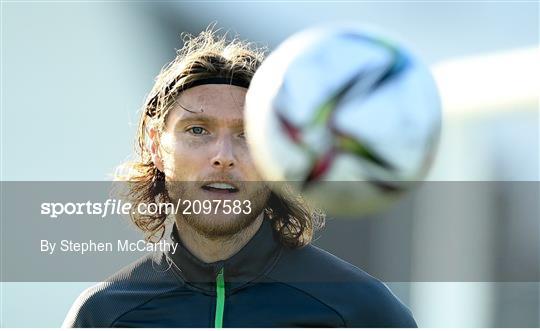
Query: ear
[154,149]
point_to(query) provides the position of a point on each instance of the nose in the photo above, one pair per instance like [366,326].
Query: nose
[224,158]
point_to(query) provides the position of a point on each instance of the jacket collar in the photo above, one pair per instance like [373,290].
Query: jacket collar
[254,259]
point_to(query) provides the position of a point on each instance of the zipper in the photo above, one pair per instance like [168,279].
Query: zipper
[220,299]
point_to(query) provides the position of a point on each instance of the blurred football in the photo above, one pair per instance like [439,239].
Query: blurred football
[347,117]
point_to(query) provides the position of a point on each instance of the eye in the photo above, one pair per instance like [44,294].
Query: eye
[197,130]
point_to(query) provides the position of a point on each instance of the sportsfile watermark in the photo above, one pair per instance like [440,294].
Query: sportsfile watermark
[439,231]
[112,207]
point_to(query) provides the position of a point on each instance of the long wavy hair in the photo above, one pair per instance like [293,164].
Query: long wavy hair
[204,56]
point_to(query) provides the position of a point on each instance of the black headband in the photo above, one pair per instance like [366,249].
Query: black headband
[215,80]
[206,81]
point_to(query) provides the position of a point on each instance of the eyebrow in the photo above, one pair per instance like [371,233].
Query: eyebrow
[210,120]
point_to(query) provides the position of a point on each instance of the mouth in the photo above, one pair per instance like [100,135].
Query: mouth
[220,187]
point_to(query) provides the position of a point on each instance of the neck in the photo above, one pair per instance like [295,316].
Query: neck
[211,250]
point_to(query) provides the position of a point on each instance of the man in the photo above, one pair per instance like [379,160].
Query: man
[240,269]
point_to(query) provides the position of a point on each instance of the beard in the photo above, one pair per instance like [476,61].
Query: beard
[218,222]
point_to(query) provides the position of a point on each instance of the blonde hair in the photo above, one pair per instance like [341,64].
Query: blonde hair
[204,56]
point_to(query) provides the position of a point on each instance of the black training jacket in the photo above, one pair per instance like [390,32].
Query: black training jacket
[263,285]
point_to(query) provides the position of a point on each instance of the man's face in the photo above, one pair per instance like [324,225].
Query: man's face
[203,148]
